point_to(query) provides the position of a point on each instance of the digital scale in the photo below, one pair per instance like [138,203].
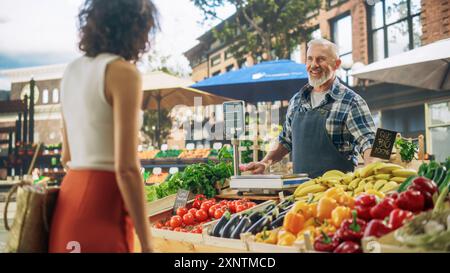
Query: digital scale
[234,115]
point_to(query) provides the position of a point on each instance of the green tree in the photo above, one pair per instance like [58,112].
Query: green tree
[266,29]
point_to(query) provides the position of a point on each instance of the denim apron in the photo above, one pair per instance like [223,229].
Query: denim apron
[313,152]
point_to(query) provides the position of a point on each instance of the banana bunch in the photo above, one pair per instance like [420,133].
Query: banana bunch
[376,177]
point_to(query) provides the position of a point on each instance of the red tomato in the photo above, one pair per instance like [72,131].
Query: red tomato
[240,208]
[212,200]
[232,206]
[192,211]
[206,205]
[218,213]
[167,223]
[212,209]
[188,219]
[175,221]
[182,211]
[223,203]
[251,204]
[177,229]
[197,204]
[159,225]
[201,215]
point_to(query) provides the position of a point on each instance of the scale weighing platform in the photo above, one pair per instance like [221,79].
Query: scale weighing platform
[267,184]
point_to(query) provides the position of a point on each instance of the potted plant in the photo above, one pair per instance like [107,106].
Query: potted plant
[408,149]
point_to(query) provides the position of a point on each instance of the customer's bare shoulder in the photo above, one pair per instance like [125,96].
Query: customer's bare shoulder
[120,70]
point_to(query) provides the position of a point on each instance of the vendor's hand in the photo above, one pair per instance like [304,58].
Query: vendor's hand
[256,167]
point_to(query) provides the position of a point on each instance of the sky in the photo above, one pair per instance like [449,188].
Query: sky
[42,32]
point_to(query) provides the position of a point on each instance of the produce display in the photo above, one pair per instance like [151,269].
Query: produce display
[377,178]
[231,226]
[197,153]
[200,178]
[157,178]
[203,210]
[148,154]
[168,154]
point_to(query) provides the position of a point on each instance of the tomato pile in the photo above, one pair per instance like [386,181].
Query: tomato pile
[203,210]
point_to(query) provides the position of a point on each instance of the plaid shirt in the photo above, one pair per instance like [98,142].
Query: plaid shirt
[350,125]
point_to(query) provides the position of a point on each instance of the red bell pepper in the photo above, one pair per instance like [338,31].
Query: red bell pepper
[326,243]
[424,184]
[382,209]
[411,200]
[393,195]
[363,204]
[352,229]
[348,247]
[398,217]
[377,228]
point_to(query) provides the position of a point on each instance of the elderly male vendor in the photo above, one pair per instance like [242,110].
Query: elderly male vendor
[327,124]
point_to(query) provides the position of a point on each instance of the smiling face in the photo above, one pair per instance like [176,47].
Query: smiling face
[321,64]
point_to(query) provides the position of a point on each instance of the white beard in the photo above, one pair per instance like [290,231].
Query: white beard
[314,82]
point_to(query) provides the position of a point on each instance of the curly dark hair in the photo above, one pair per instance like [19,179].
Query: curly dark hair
[120,27]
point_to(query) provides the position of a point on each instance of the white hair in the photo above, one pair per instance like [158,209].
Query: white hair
[324,42]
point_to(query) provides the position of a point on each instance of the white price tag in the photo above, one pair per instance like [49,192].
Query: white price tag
[140,148]
[217,146]
[164,147]
[190,146]
[173,170]
[157,171]
[200,146]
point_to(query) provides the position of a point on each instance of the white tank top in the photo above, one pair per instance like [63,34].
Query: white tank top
[87,113]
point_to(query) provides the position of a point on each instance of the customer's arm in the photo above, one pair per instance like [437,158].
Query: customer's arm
[124,90]
[65,150]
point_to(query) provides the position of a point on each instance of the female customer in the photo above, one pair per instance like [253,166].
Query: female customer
[102,196]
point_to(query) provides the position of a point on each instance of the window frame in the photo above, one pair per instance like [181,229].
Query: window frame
[429,126]
[409,19]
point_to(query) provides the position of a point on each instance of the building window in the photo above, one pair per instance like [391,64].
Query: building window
[55,96]
[395,27]
[342,37]
[215,60]
[216,73]
[438,129]
[333,3]
[45,96]
[230,67]
[316,34]
[228,55]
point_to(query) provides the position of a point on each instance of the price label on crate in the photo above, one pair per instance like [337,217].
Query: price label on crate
[181,199]
[173,170]
[157,171]
[217,146]
[164,147]
[384,142]
[190,146]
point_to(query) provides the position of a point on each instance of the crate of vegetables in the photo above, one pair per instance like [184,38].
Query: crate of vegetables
[237,217]
[188,223]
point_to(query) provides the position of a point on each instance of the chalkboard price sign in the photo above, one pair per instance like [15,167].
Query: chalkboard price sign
[384,142]
[181,199]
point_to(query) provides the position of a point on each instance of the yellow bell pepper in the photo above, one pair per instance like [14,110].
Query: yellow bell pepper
[325,207]
[325,227]
[311,222]
[267,236]
[313,209]
[302,208]
[339,214]
[293,222]
[346,200]
[334,193]
[310,229]
[286,238]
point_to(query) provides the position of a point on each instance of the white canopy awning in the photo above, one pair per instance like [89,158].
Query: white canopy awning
[424,67]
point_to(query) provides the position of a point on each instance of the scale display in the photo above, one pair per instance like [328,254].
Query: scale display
[234,115]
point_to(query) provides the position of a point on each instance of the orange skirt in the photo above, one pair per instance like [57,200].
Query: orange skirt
[90,215]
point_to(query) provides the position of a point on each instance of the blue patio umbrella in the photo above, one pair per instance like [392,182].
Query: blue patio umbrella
[266,81]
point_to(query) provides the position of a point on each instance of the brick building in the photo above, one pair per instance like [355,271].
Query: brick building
[47,126]
[367,31]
